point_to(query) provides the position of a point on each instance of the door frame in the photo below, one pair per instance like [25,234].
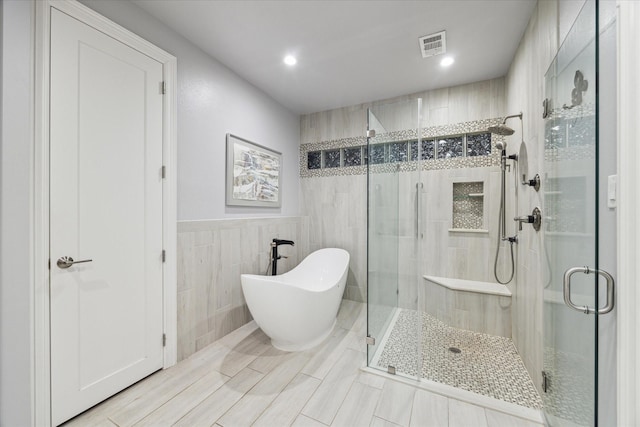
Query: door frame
[40,204]
[628,294]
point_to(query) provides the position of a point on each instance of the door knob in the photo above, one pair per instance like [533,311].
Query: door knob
[67,261]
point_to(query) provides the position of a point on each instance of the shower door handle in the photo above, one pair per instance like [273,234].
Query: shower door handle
[566,285]
[417,210]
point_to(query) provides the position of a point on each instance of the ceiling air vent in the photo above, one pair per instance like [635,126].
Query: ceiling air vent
[433,44]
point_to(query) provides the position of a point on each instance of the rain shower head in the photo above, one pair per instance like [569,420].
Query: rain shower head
[503,129]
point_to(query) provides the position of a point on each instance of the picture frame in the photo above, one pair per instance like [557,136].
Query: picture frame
[253,174]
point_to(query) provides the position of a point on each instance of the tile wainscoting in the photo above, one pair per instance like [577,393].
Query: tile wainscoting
[212,255]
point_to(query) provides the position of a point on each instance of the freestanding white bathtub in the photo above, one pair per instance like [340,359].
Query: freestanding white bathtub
[298,309]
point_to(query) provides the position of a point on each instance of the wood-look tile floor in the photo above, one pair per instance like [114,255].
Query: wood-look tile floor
[241,380]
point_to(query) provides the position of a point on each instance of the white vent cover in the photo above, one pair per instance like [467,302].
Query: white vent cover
[433,44]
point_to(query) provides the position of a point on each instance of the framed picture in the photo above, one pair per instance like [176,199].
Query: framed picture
[254,174]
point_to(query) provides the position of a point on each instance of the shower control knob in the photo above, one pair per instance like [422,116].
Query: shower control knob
[534,219]
[535,182]
[527,219]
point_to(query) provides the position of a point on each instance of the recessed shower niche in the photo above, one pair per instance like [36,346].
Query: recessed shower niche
[468,206]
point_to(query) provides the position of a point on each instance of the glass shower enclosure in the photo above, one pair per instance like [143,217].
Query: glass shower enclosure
[577,292]
[433,301]
[394,144]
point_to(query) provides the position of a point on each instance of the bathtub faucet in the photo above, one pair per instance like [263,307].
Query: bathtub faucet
[279,242]
[274,253]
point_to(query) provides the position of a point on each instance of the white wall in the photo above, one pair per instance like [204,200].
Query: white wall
[15,221]
[214,101]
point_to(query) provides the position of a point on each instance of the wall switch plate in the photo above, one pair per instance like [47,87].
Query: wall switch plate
[612,190]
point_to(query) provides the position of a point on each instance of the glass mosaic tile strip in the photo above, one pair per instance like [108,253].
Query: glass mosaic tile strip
[479,144]
[332,158]
[376,154]
[352,156]
[450,147]
[398,152]
[428,149]
[314,160]
[413,149]
[456,153]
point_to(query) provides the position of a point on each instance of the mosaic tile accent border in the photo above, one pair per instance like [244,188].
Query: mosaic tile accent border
[404,154]
[488,365]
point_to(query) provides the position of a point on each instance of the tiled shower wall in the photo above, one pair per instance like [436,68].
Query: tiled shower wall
[525,92]
[211,257]
[337,205]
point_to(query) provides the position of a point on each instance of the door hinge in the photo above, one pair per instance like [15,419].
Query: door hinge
[49,264]
[164,255]
[163,172]
[370,340]
[545,381]
[163,88]
[164,340]
[391,370]
[371,133]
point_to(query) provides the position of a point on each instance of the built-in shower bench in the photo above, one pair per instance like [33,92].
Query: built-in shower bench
[468,304]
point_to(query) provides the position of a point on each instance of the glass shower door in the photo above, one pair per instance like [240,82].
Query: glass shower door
[382,239]
[393,250]
[575,289]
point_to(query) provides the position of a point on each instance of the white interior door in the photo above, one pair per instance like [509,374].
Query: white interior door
[105,206]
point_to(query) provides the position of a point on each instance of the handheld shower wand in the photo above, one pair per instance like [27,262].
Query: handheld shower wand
[504,130]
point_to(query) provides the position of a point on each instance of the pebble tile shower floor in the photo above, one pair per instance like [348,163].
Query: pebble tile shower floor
[487,364]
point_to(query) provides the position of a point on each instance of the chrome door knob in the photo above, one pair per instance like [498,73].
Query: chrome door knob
[67,261]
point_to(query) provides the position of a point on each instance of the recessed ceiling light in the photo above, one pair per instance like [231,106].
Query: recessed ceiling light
[290,60]
[446,61]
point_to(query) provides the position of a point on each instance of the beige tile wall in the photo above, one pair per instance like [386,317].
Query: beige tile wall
[446,253]
[525,92]
[337,206]
[473,101]
[211,257]
[337,210]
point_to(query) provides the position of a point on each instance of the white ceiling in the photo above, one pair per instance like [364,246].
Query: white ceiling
[349,52]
